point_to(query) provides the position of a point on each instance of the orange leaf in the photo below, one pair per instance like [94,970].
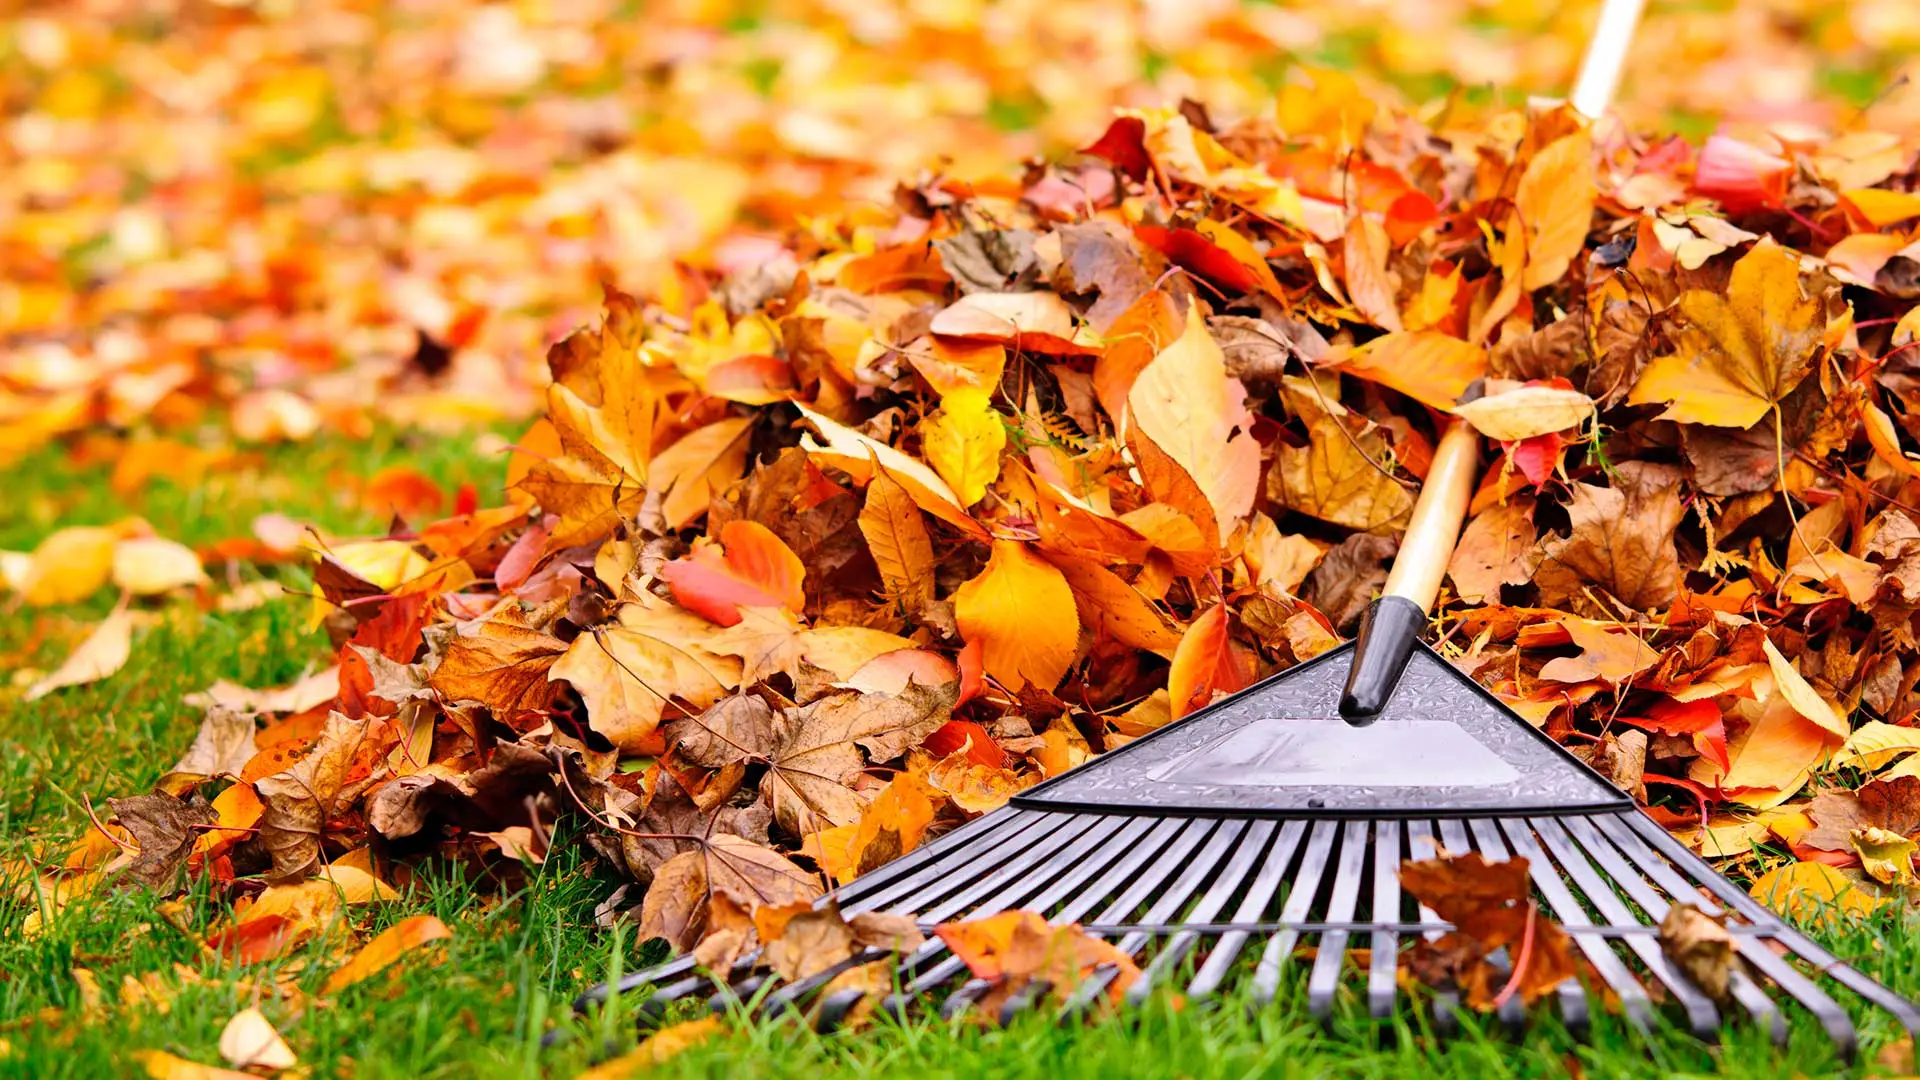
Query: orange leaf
[390,945]
[1429,367]
[1021,610]
[749,567]
[1208,662]
[1700,719]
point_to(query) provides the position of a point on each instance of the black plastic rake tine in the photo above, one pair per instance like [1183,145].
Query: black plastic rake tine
[1061,873]
[1178,858]
[1573,1000]
[1624,873]
[941,876]
[1248,845]
[1323,979]
[1260,893]
[1702,1016]
[979,831]
[1306,886]
[1562,904]
[1839,1027]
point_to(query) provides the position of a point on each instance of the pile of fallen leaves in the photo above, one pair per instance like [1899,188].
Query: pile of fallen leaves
[271,215]
[946,499]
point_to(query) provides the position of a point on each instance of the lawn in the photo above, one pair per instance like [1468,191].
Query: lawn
[522,950]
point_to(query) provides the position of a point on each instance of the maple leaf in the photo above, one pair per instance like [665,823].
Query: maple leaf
[1185,403]
[1014,949]
[1621,538]
[746,873]
[815,750]
[629,671]
[1498,547]
[501,662]
[1738,355]
[1022,609]
[1491,907]
[301,801]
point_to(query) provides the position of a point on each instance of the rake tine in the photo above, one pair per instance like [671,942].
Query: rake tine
[788,997]
[598,995]
[1624,872]
[963,999]
[977,831]
[944,877]
[1573,1000]
[1833,1018]
[1702,1017]
[1273,871]
[1134,849]
[1247,858]
[1454,833]
[1561,903]
[1021,1001]
[962,891]
[834,1009]
[1169,903]
[1306,885]
[728,996]
[1828,964]
[1136,893]
[1324,977]
[1446,1003]
[1382,982]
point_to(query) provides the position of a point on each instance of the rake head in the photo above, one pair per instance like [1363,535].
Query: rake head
[1214,849]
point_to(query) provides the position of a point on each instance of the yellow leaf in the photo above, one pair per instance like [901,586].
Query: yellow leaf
[1804,698]
[1614,657]
[1806,889]
[1842,574]
[1737,355]
[1777,751]
[897,539]
[1554,204]
[1882,207]
[698,464]
[1340,477]
[104,652]
[1368,285]
[1886,855]
[69,566]
[963,441]
[626,672]
[1526,412]
[855,454]
[392,943]
[1873,744]
[1430,367]
[1184,402]
[657,1048]
[161,1065]
[150,565]
[249,1041]
[1021,610]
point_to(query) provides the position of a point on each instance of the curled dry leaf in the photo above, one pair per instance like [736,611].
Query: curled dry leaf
[250,1041]
[103,652]
[1699,945]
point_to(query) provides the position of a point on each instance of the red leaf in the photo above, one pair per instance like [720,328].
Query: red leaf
[749,567]
[1700,719]
[954,735]
[1206,662]
[1196,254]
[1741,177]
[395,634]
[973,670]
[1124,145]
[1536,457]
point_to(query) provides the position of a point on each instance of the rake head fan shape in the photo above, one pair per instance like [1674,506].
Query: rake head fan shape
[1212,849]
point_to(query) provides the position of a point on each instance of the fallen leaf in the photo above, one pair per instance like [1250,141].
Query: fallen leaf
[1185,403]
[657,1049]
[1701,948]
[68,566]
[1429,367]
[161,1065]
[151,565]
[749,566]
[1887,856]
[1526,412]
[1807,890]
[249,1041]
[103,652]
[1207,663]
[1739,354]
[1022,609]
[1554,206]
[963,440]
[897,539]
[385,949]
[630,672]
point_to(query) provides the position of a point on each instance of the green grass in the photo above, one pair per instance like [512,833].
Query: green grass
[479,1005]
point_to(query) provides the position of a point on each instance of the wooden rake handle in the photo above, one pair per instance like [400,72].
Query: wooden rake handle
[1394,623]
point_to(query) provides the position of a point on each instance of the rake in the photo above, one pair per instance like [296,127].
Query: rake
[1215,850]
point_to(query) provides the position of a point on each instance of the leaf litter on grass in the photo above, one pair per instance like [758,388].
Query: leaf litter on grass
[821,552]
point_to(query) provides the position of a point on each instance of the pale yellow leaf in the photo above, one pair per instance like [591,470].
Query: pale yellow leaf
[1185,403]
[963,440]
[104,652]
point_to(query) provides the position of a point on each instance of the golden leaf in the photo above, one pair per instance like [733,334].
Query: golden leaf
[627,672]
[1184,402]
[1886,855]
[1737,355]
[1021,609]
[1339,476]
[1427,366]
[897,539]
[963,441]
[1554,203]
